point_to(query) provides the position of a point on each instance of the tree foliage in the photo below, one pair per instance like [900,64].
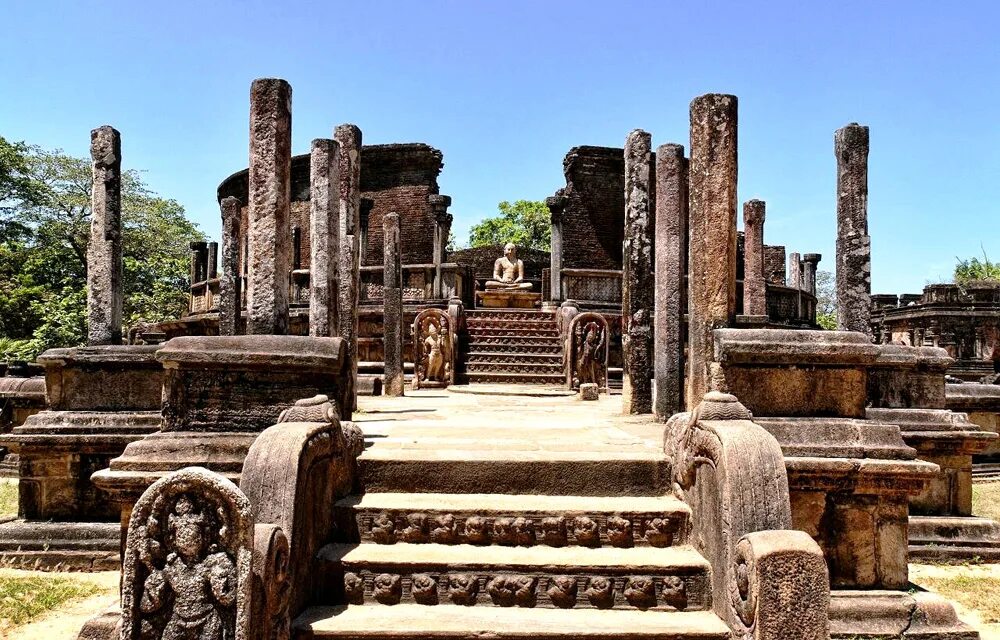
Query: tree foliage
[826,300]
[974,271]
[44,230]
[526,223]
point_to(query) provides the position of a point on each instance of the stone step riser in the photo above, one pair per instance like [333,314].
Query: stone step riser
[531,316]
[518,344]
[513,349]
[539,334]
[621,530]
[670,590]
[514,368]
[500,356]
[499,378]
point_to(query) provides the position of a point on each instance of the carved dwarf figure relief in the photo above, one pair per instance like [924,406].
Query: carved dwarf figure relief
[508,271]
[186,574]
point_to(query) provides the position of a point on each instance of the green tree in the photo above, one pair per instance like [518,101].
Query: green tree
[526,223]
[43,252]
[826,300]
[975,270]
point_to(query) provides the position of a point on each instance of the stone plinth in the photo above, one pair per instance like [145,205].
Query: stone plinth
[122,378]
[908,377]
[795,373]
[242,383]
[20,398]
[982,404]
[500,299]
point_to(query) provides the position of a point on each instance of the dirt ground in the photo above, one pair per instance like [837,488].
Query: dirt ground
[64,623]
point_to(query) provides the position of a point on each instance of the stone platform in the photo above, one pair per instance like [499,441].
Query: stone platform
[507,299]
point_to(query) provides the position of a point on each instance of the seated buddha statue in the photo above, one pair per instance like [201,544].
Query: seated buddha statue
[508,271]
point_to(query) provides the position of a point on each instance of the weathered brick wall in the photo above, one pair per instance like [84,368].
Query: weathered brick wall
[394,177]
[594,218]
[774,264]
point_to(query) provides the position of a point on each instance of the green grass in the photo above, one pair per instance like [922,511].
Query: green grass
[8,498]
[986,500]
[25,598]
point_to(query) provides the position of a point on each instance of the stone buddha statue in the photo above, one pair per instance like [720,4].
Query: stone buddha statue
[508,271]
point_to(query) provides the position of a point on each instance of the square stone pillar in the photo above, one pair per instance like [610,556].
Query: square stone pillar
[712,248]
[212,261]
[556,205]
[104,249]
[442,229]
[392,300]
[854,252]
[671,261]
[324,230]
[810,262]
[199,261]
[270,205]
[637,276]
[754,284]
[231,281]
[348,137]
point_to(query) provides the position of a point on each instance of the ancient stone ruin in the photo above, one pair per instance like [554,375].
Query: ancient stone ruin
[735,472]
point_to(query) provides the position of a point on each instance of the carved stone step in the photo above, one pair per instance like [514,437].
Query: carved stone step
[513,332]
[551,349]
[525,342]
[417,622]
[669,579]
[499,357]
[511,324]
[518,378]
[501,519]
[514,367]
[513,314]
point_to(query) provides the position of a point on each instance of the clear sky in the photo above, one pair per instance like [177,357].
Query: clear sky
[505,88]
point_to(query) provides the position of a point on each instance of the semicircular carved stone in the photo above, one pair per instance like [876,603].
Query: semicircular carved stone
[188,560]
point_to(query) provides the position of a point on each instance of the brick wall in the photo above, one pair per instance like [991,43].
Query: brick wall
[594,218]
[774,264]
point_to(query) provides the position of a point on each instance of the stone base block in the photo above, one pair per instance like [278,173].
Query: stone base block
[895,615]
[954,539]
[500,299]
[60,546]
[369,385]
[589,391]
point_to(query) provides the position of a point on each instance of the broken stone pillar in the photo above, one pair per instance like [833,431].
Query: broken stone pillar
[324,227]
[392,300]
[671,258]
[212,261]
[794,271]
[754,284]
[637,276]
[104,250]
[556,205]
[348,137]
[442,229]
[854,254]
[230,282]
[199,261]
[712,222]
[269,200]
[809,263]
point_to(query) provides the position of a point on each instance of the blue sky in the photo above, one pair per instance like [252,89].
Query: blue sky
[504,89]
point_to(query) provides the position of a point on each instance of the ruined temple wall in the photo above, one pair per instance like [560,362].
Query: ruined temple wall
[394,177]
[594,217]
[774,264]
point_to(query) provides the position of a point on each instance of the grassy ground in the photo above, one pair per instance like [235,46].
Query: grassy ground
[26,596]
[974,588]
[8,498]
[986,499]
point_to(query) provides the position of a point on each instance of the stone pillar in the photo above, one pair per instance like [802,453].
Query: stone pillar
[754,282]
[213,261]
[270,204]
[810,261]
[854,254]
[230,282]
[324,229]
[442,229]
[348,137]
[556,205]
[794,271]
[104,250]
[637,276]
[671,260]
[392,300]
[712,222]
[365,214]
[199,258]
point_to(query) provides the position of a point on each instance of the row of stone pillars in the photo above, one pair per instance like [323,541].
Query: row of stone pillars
[695,204]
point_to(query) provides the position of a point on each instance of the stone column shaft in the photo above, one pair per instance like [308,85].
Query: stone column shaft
[854,255]
[104,249]
[556,205]
[392,300]
[637,276]
[754,283]
[270,206]
[348,137]
[712,249]
[442,229]
[671,260]
[324,240]
[810,262]
[230,282]
[213,261]
[795,271]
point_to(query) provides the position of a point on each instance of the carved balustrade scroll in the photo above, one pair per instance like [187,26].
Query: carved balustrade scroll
[434,345]
[770,581]
[587,348]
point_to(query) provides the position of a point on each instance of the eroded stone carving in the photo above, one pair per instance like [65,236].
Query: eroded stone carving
[318,408]
[674,592]
[587,344]
[659,532]
[601,592]
[477,530]
[416,528]
[433,349]
[354,588]
[188,559]
[620,531]
[444,529]
[384,528]
[425,589]
[562,591]
[463,588]
[586,532]
[641,592]
[387,588]
[554,531]
[507,590]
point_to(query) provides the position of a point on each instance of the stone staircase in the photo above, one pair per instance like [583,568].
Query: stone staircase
[429,560]
[519,346]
